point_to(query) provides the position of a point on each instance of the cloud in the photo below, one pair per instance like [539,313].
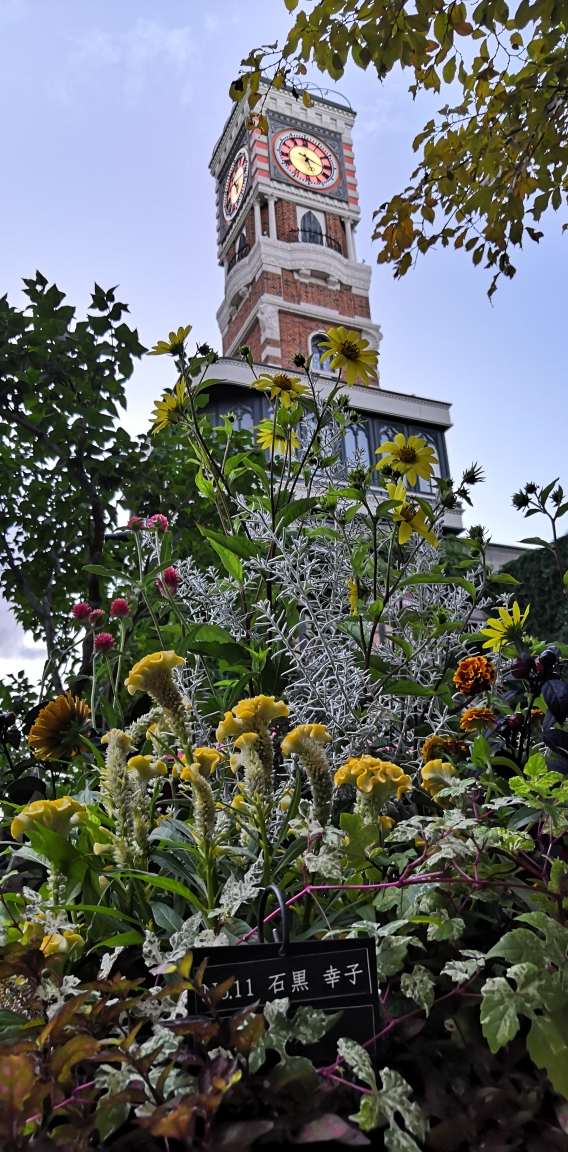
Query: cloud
[17,648]
[136,51]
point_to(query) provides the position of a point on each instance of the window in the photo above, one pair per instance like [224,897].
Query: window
[310,229]
[242,242]
[356,446]
[316,351]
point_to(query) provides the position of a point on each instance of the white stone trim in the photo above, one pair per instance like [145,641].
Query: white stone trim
[415,409]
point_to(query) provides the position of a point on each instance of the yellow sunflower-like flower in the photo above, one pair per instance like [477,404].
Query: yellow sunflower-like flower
[435,775]
[151,672]
[410,516]
[286,388]
[274,439]
[353,596]
[347,350]
[474,674]
[55,815]
[413,457]
[477,719]
[61,943]
[434,746]
[57,733]
[174,345]
[147,767]
[171,408]
[507,629]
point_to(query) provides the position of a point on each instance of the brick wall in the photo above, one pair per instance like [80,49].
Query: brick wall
[295,333]
[268,282]
[286,220]
[249,227]
[335,228]
[317,293]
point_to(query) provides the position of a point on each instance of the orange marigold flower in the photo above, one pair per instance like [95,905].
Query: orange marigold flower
[436,746]
[477,719]
[474,674]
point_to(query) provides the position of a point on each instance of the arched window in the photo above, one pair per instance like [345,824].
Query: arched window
[310,229]
[316,351]
[242,242]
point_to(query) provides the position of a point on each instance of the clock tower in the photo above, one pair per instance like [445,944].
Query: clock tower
[287,210]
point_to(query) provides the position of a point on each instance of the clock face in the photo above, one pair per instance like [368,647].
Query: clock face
[235,185]
[306,160]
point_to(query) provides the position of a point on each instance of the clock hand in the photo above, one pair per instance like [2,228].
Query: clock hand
[305,157]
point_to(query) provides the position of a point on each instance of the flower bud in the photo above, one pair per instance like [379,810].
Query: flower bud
[515,721]
[120,607]
[170,580]
[81,611]
[104,642]
[158,523]
[299,360]
[136,523]
[96,617]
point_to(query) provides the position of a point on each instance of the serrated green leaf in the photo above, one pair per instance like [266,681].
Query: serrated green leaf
[418,985]
[231,562]
[499,1020]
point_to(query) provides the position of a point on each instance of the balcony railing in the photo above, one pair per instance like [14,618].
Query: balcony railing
[239,255]
[302,236]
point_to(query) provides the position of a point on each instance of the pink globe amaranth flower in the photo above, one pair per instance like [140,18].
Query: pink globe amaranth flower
[136,523]
[158,523]
[97,616]
[120,607]
[171,581]
[104,642]
[81,611]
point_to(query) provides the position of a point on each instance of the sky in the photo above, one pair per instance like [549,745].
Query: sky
[109,113]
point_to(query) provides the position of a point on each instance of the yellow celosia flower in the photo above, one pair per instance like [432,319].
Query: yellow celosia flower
[157,664]
[207,758]
[506,630]
[274,439]
[57,732]
[249,714]
[386,823]
[435,775]
[62,943]
[244,744]
[293,741]
[174,345]
[55,815]
[367,773]
[122,738]
[413,457]
[171,408]
[286,388]
[347,350]
[147,767]
[409,515]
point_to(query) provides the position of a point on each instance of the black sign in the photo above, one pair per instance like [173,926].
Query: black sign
[334,975]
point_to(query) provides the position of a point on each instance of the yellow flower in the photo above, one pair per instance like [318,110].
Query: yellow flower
[477,719]
[353,596]
[274,439]
[386,822]
[61,942]
[370,774]
[174,345]
[57,733]
[244,745]
[413,457]
[293,741]
[240,803]
[171,408]
[121,738]
[55,815]
[248,714]
[147,767]
[207,758]
[434,745]
[145,674]
[286,388]
[349,351]
[435,775]
[409,515]
[285,800]
[508,628]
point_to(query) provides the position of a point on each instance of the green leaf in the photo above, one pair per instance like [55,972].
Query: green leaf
[122,939]
[239,545]
[212,640]
[294,510]
[166,918]
[537,540]
[427,578]
[418,985]
[499,1020]
[406,688]
[547,1045]
[360,837]
[231,562]
[503,578]
[166,883]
